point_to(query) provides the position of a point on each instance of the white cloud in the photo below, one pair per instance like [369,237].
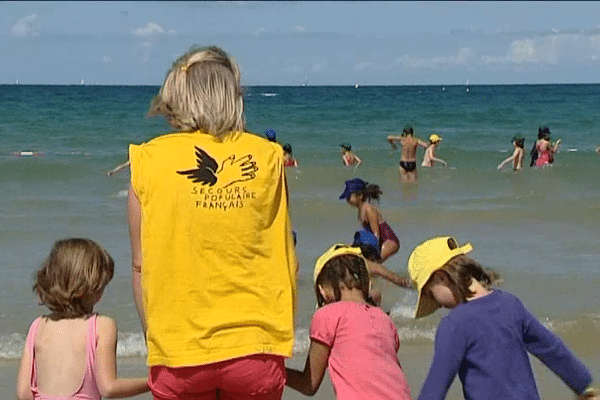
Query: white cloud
[299,29]
[463,56]
[371,66]
[106,59]
[318,67]
[152,29]
[258,32]
[27,26]
[534,51]
[548,50]
[295,69]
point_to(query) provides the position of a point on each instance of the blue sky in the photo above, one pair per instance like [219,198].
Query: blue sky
[287,43]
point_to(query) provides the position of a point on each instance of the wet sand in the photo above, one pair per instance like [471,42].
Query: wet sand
[414,359]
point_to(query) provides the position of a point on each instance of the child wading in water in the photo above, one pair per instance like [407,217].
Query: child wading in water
[289,160]
[70,353]
[518,155]
[429,159]
[487,334]
[355,340]
[359,194]
[348,157]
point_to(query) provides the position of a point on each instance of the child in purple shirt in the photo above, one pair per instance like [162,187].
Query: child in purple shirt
[357,341]
[487,335]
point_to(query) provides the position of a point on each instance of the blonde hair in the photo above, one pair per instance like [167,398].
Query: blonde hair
[202,91]
[75,272]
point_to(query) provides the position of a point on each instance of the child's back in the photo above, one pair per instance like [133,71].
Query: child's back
[60,357]
[71,353]
[485,342]
[357,342]
[364,342]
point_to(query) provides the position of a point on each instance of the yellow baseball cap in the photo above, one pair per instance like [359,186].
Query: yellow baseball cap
[427,258]
[334,251]
[435,138]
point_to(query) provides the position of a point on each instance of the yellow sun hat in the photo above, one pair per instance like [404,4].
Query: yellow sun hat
[334,251]
[435,138]
[427,258]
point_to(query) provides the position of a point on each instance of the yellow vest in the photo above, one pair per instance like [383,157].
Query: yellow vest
[218,267]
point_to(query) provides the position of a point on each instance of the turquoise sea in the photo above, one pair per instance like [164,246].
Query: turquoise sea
[539,228]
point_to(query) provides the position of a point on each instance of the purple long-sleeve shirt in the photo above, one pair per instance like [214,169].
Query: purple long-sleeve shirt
[485,341]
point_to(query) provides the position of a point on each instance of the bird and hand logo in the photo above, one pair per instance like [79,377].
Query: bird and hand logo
[216,180]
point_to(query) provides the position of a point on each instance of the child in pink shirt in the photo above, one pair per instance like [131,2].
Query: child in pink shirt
[355,340]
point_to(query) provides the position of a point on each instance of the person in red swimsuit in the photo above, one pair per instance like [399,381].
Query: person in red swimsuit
[359,194]
[289,160]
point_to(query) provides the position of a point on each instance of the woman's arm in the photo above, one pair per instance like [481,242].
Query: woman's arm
[134,213]
[106,365]
[308,381]
[24,377]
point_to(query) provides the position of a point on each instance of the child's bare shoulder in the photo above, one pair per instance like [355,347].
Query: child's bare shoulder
[104,322]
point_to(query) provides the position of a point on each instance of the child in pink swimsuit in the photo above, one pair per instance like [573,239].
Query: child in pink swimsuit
[357,342]
[359,194]
[73,338]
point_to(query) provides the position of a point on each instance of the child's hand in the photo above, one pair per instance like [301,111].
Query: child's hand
[589,394]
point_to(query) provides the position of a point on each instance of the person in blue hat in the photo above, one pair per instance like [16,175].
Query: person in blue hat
[369,246]
[271,135]
[359,194]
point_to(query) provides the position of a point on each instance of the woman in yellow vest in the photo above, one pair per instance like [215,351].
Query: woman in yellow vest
[212,249]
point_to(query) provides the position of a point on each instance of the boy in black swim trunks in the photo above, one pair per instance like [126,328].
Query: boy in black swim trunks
[408,157]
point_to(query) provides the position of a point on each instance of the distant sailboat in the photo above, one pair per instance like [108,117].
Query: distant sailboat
[305,82]
[467,86]
[356,86]
[17,82]
[82,82]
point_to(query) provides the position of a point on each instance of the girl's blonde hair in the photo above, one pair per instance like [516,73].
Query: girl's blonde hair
[75,272]
[202,91]
[349,269]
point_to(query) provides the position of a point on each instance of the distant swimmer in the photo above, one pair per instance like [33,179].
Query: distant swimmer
[288,159]
[429,159]
[118,168]
[349,158]
[543,132]
[518,155]
[408,157]
[546,149]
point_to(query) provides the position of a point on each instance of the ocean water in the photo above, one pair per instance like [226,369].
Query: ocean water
[539,228]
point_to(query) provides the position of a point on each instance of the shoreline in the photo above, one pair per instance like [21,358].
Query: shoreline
[414,359]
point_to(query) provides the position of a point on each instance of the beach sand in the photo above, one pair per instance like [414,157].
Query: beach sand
[414,359]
